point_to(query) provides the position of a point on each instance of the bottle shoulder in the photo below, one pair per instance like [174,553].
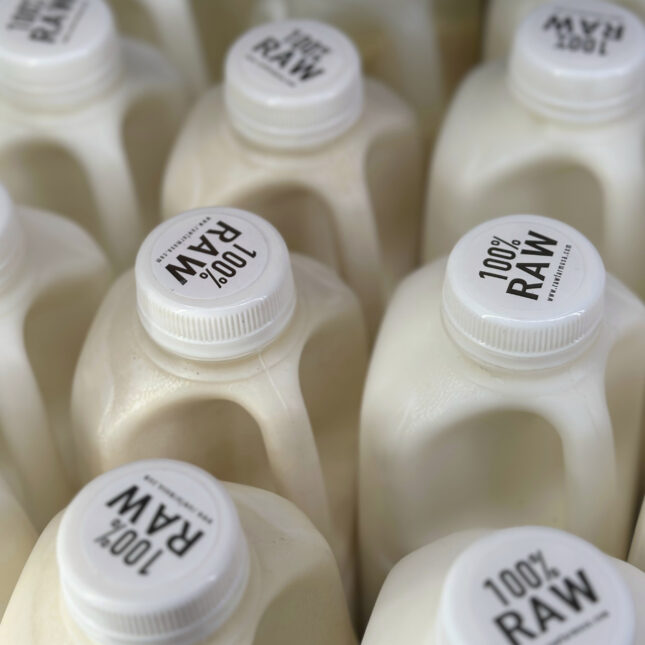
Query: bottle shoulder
[419,375]
[119,348]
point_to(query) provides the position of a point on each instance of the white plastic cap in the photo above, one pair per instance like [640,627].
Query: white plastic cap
[293,84]
[579,60]
[55,55]
[214,283]
[535,585]
[12,240]
[523,292]
[152,553]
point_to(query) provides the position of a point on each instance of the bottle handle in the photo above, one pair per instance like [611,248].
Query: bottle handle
[290,444]
[587,437]
[179,39]
[353,218]
[26,432]
[105,162]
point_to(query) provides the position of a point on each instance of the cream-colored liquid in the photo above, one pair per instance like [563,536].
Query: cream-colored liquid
[101,163]
[285,419]
[44,316]
[294,594]
[354,203]
[502,159]
[449,445]
[407,607]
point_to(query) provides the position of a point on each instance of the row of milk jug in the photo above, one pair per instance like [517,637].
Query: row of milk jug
[334,159]
[496,395]
[160,552]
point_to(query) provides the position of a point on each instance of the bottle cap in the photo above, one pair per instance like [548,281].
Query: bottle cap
[579,60]
[293,84]
[537,585]
[214,283]
[152,552]
[54,55]
[523,292]
[12,242]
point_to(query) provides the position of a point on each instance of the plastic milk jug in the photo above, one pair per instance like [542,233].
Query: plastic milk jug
[18,538]
[223,351]
[52,279]
[518,586]
[86,119]
[297,135]
[160,552]
[558,131]
[637,552]
[503,17]
[506,388]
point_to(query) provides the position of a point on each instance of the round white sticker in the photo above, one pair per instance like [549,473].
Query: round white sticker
[526,268]
[535,585]
[206,257]
[583,35]
[37,28]
[290,57]
[149,527]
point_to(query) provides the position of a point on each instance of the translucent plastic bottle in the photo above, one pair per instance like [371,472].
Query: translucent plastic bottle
[52,279]
[86,119]
[18,538]
[637,552]
[160,552]
[223,351]
[296,135]
[506,387]
[516,586]
[504,16]
[558,131]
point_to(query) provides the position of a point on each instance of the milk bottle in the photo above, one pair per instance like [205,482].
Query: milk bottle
[86,119]
[18,538]
[222,351]
[506,388]
[515,586]
[52,279]
[559,131]
[160,552]
[503,17]
[296,135]
[637,552]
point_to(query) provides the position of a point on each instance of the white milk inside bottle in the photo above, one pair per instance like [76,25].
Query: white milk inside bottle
[559,131]
[86,119]
[637,551]
[52,279]
[18,538]
[297,135]
[516,586]
[504,16]
[160,552]
[505,388]
[223,351]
